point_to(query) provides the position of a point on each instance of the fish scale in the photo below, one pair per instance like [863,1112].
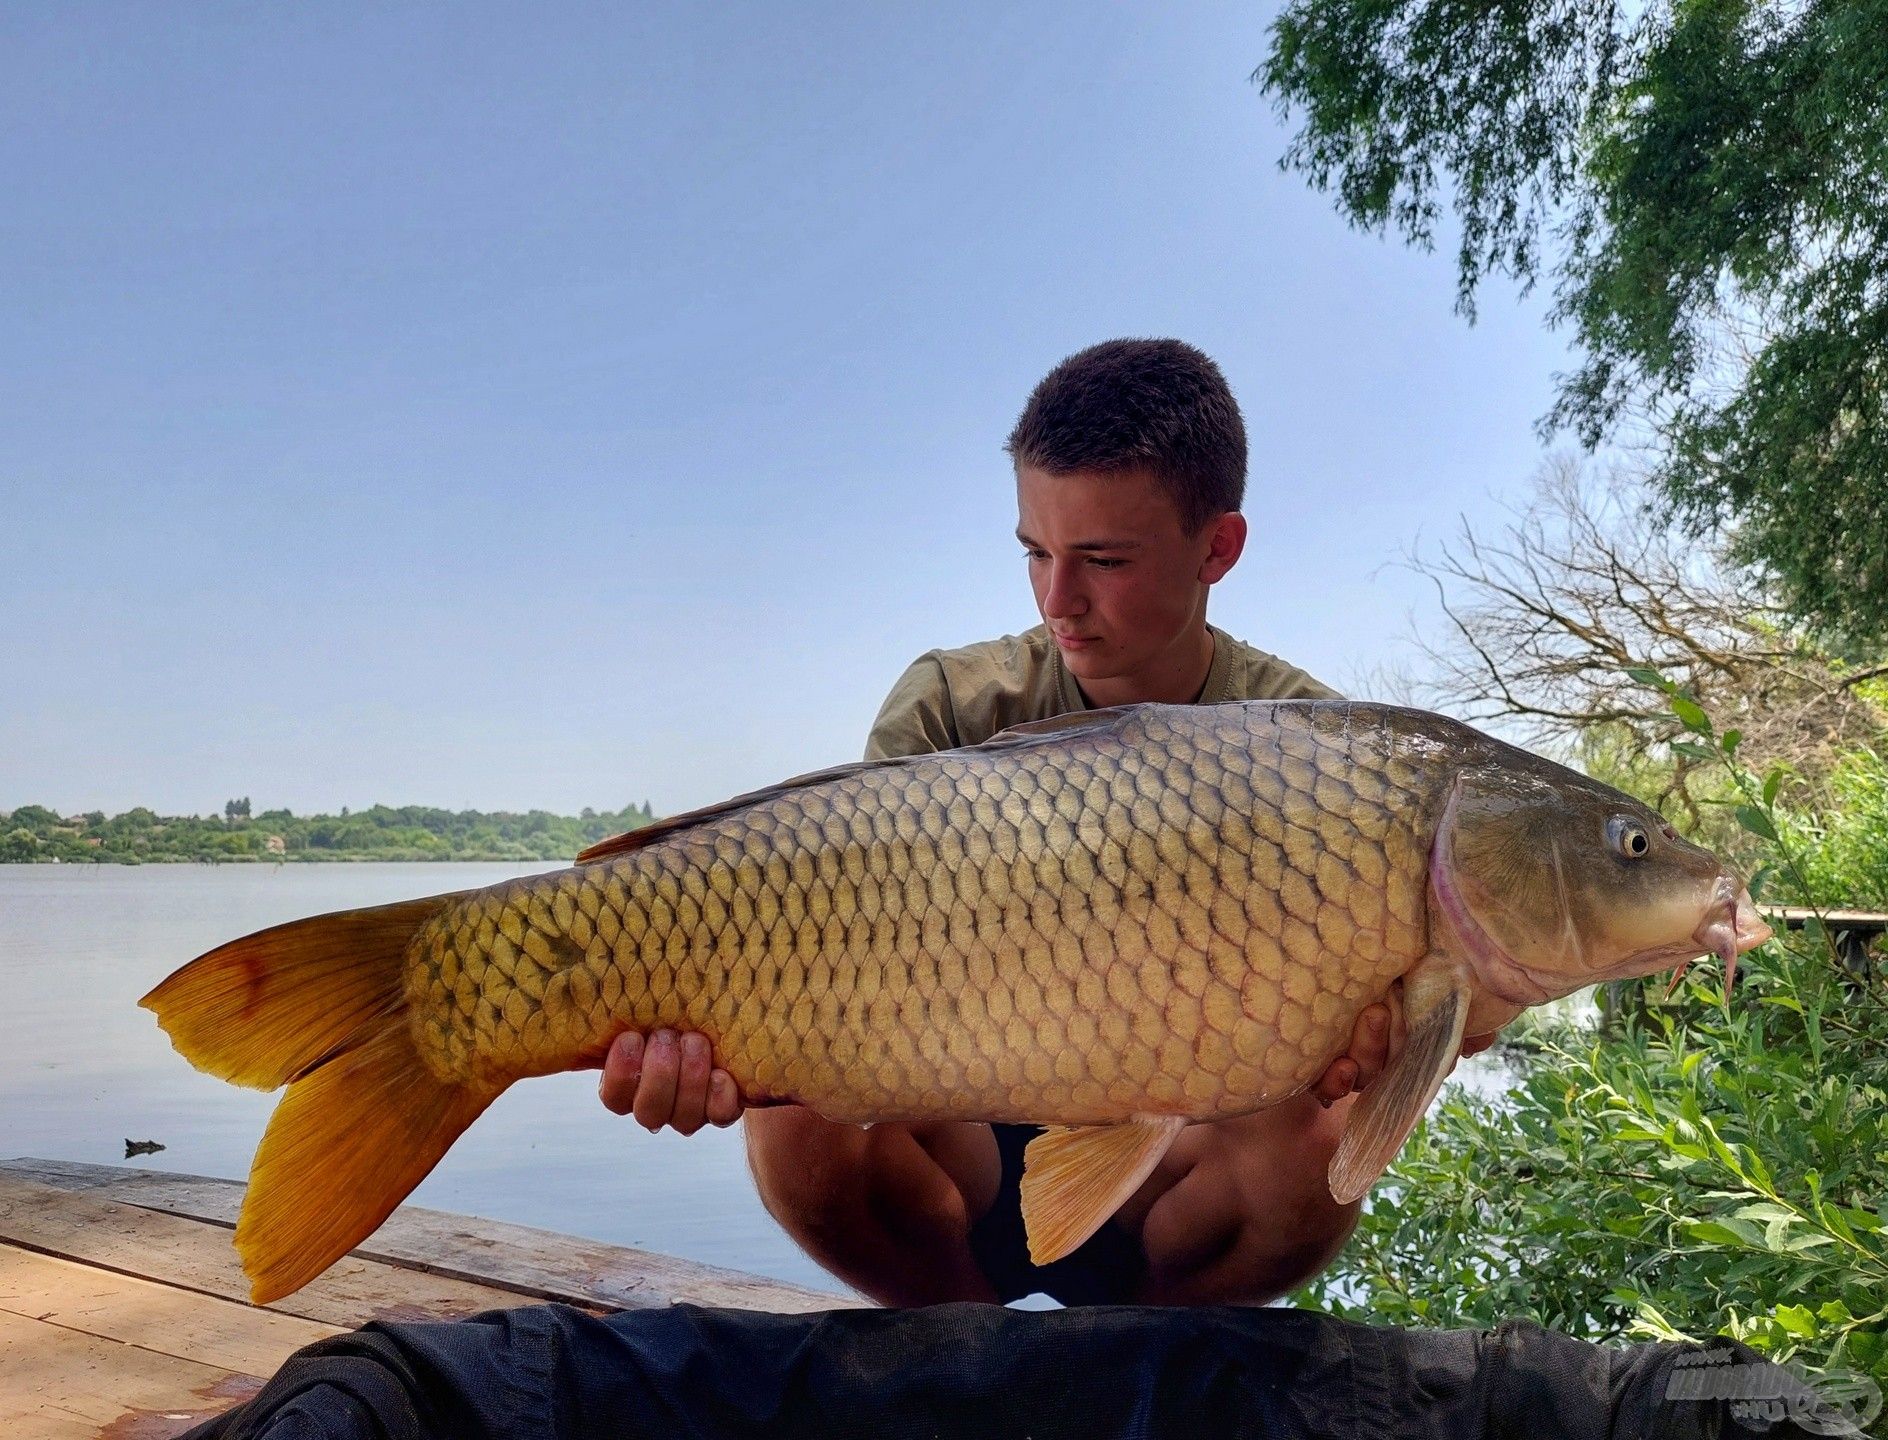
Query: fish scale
[1112,923]
[1183,915]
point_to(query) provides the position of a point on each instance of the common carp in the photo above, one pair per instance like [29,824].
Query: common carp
[1115,923]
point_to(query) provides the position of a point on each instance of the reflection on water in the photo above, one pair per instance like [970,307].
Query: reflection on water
[83,1069]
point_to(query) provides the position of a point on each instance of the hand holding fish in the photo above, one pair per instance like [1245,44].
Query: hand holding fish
[669,1081]
[1376,1041]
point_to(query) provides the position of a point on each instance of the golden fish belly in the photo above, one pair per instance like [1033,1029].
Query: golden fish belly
[1180,917]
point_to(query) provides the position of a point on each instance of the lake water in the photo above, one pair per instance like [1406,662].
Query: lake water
[82,1068]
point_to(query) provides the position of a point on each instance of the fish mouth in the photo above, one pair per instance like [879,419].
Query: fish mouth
[1730,927]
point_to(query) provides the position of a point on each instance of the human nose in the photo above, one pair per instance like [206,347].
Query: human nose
[1062,598]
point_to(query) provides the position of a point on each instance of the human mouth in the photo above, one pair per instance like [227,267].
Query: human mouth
[1075,642]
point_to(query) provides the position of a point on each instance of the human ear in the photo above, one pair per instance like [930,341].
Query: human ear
[1226,541]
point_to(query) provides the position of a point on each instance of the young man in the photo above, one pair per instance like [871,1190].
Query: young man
[1130,472]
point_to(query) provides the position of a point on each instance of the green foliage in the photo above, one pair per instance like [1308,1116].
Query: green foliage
[1843,848]
[1705,1169]
[411,832]
[1704,184]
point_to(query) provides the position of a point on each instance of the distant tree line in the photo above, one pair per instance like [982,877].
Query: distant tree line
[408,832]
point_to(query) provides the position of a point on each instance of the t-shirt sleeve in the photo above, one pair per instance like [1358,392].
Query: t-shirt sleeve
[917,717]
[1288,682]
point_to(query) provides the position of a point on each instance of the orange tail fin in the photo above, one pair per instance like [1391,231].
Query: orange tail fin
[320,1005]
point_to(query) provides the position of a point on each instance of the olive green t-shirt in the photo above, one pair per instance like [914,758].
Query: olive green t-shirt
[948,698]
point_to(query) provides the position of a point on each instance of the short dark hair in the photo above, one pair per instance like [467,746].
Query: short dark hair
[1155,405]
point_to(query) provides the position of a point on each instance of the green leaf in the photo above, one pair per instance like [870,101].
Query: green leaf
[1691,713]
[1771,784]
[1797,1320]
[1714,1232]
[1759,1167]
[1727,1154]
[1763,1210]
[1729,740]
[1808,1240]
[1692,750]
[1863,1220]
[1756,821]
[1650,677]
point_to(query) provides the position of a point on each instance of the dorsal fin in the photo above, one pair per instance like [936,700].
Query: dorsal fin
[661,829]
[1030,732]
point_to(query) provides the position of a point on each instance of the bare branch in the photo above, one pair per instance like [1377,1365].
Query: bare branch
[1543,617]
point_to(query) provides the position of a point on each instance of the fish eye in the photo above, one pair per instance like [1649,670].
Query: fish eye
[1628,837]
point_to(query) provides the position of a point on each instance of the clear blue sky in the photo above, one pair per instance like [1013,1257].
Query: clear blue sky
[569,405]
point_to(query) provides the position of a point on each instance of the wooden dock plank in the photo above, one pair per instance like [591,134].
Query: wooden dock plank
[161,1318]
[62,1384]
[197,1256]
[540,1263]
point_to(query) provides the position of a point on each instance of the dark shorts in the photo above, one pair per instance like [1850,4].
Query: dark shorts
[1105,1270]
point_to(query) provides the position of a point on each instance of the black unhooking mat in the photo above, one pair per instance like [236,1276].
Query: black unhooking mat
[548,1372]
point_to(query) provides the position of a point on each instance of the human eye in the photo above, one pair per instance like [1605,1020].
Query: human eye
[1103,562]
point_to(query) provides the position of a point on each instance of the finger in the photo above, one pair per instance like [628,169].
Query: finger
[724,1099]
[1399,1021]
[661,1069]
[691,1089]
[1370,1044]
[1336,1081]
[622,1068]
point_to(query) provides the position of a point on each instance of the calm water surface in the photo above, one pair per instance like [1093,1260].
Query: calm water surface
[82,1068]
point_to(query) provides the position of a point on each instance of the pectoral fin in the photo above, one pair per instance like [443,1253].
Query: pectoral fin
[1381,1120]
[1076,1176]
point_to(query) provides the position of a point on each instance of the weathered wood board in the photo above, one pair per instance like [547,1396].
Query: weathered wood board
[124,1312]
[191,1255]
[540,1263]
[61,1384]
